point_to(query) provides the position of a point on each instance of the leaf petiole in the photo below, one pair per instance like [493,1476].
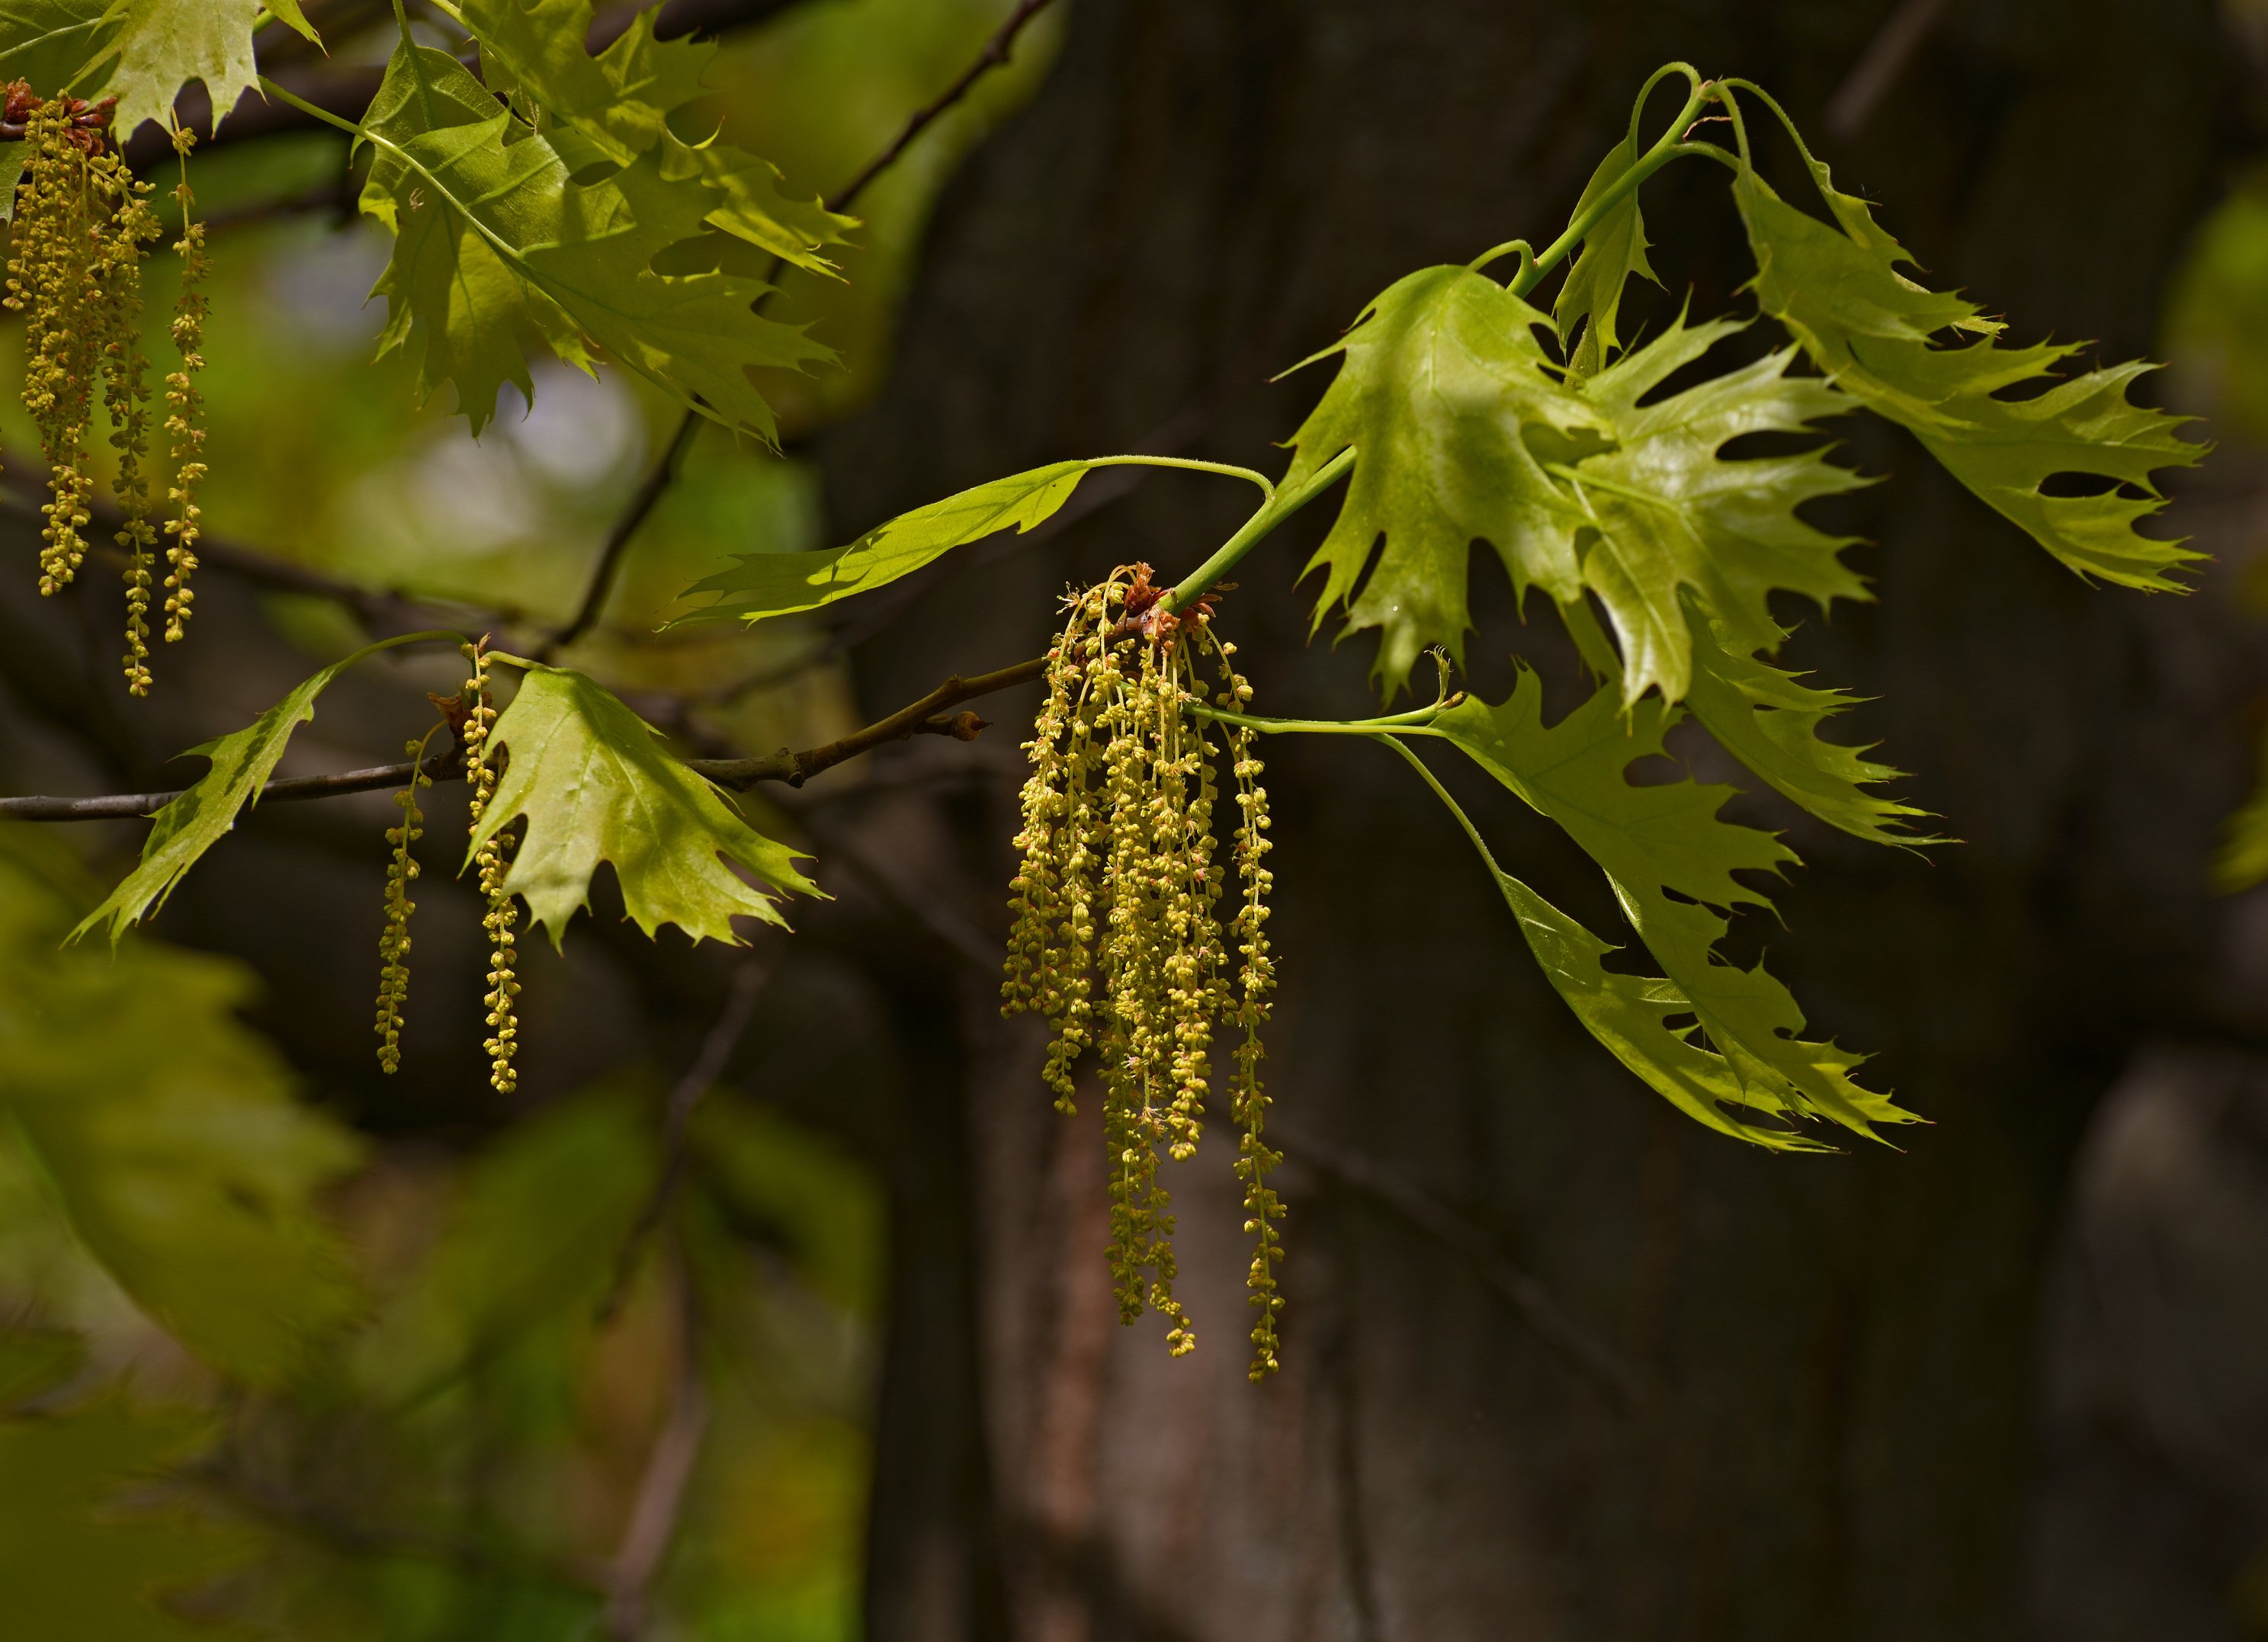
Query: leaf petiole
[1280,506]
[1417,721]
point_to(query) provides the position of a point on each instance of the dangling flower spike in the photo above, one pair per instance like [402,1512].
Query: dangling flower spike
[1119,884]
[393,942]
[500,916]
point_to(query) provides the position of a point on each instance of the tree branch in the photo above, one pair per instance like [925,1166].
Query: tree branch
[926,716]
[994,55]
[1879,66]
[634,514]
[748,978]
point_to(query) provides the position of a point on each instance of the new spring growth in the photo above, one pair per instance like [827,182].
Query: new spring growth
[82,227]
[185,406]
[393,940]
[499,916]
[1117,938]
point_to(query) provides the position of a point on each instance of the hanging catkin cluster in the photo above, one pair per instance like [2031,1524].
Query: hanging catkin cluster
[393,940]
[1118,939]
[83,224]
[500,916]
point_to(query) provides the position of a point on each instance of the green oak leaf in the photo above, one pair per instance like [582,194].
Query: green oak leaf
[201,817]
[1873,332]
[161,45]
[1671,862]
[763,585]
[1770,720]
[496,246]
[168,1132]
[77,1563]
[1452,407]
[1591,299]
[621,100]
[593,783]
[51,44]
[1671,514]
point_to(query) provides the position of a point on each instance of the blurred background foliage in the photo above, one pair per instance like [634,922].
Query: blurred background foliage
[274,1363]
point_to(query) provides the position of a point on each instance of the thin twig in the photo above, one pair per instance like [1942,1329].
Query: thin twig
[1879,66]
[748,978]
[926,716]
[627,523]
[992,56]
[1597,1361]
[660,1498]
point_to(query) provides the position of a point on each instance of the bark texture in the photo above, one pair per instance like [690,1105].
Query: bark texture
[1840,1359]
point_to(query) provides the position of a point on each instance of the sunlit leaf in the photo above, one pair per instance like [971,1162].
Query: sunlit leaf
[77,1563]
[621,99]
[495,248]
[1452,407]
[1873,331]
[1673,514]
[762,585]
[591,781]
[1770,720]
[199,818]
[1591,300]
[1672,862]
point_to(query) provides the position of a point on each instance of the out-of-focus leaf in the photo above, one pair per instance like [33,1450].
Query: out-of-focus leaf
[50,43]
[593,783]
[1452,408]
[1671,861]
[36,1361]
[1872,330]
[820,1202]
[1615,249]
[168,1132]
[75,1564]
[762,585]
[496,244]
[538,1228]
[199,818]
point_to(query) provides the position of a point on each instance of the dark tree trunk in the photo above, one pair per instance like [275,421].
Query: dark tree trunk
[1835,1433]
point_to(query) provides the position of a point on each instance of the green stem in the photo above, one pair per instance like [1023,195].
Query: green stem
[1229,469]
[1664,149]
[306,107]
[1442,793]
[1415,722]
[1280,506]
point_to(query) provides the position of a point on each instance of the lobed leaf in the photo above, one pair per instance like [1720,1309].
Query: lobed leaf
[1452,407]
[496,245]
[1674,518]
[1873,332]
[621,100]
[764,585]
[1590,300]
[201,817]
[1770,720]
[1463,430]
[593,783]
[1671,862]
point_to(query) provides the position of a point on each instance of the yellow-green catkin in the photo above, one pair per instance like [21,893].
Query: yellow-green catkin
[115,318]
[1117,938]
[393,940]
[499,916]
[185,406]
[50,270]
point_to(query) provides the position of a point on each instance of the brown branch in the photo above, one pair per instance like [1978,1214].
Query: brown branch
[994,55]
[660,1498]
[926,716]
[748,978]
[634,514]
